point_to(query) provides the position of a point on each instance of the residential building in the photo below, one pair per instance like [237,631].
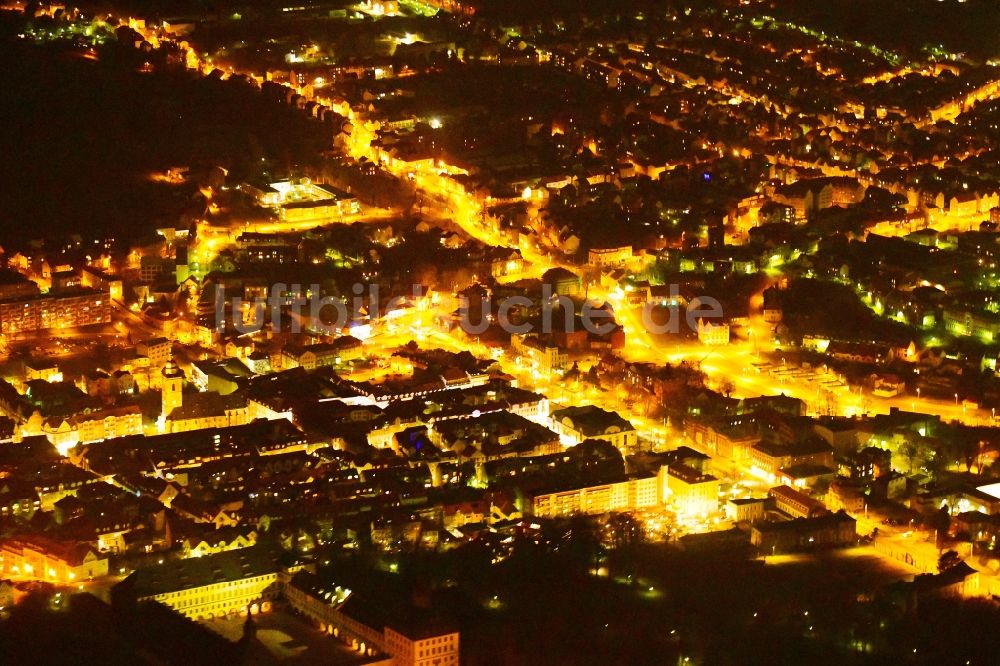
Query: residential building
[95,426]
[157,350]
[42,558]
[94,278]
[71,309]
[713,333]
[746,510]
[601,257]
[795,504]
[692,492]
[627,495]
[772,460]
[546,357]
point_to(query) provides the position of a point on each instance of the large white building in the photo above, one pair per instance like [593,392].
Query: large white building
[230,583]
[631,494]
[609,256]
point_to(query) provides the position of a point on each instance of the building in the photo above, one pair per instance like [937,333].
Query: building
[157,350]
[609,256]
[630,494]
[191,449]
[172,390]
[746,510]
[561,281]
[965,321]
[576,424]
[208,410]
[80,307]
[259,362]
[42,558]
[14,285]
[94,278]
[323,604]
[230,583]
[960,581]
[334,207]
[713,334]
[219,541]
[494,435]
[42,369]
[859,352]
[800,460]
[795,504]
[415,644]
[381,7]
[808,196]
[832,529]
[96,426]
[302,200]
[310,357]
[547,357]
[730,438]
[223,377]
[409,636]
[693,493]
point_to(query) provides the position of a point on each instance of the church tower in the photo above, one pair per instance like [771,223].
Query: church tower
[173,386]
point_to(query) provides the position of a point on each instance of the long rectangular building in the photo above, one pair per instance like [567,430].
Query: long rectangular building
[229,583]
[83,307]
[630,494]
[191,449]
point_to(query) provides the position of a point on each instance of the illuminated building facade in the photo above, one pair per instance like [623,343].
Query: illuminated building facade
[713,334]
[421,648]
[44,559]
[692,492]
[576,424]
[609,256]
[229,583]
[157,350]
[172,391]
[547,358]
[795,504]
[98,280]
[93,427]
[207,410]
[311,357]
[220,541]
[777,462]
[66,310]
[627,495]
[303,200]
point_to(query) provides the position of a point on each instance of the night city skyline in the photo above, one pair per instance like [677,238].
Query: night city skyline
[497,332]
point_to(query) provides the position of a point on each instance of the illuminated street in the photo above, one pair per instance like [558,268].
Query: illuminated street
[440,332]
